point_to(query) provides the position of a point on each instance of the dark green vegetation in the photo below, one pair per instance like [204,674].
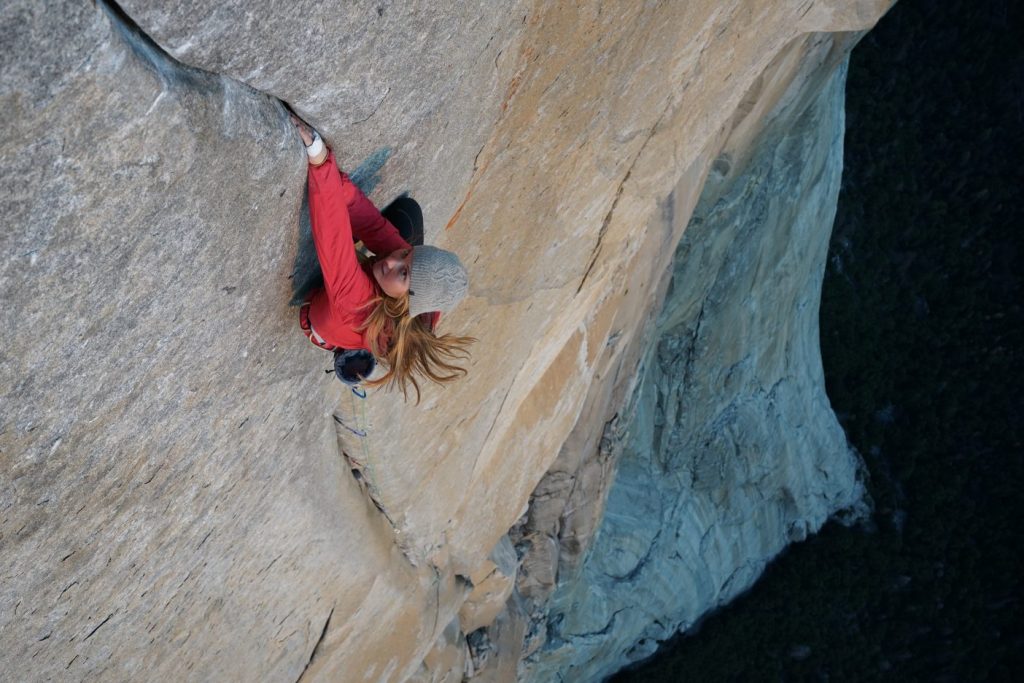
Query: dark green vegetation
[921,341]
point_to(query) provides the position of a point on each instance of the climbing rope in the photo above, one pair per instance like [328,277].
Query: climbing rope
[361,431]
[362,424]
[357,430]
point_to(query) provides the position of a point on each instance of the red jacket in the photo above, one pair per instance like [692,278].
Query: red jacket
[339,211]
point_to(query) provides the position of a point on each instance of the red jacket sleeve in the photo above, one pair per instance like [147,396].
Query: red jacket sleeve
[329,197]
[368,225]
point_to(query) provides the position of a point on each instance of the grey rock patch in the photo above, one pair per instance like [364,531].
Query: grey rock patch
[368,74]
[146,249]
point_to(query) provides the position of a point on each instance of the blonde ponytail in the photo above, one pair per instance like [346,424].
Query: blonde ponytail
[409,349]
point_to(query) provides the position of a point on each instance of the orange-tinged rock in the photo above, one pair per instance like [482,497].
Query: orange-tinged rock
[176,504]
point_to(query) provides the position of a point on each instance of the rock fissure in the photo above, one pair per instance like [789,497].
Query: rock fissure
[596,251]
[317,647]
[692,346]
[97,627]
[170,70]
[65,590]
[375,109]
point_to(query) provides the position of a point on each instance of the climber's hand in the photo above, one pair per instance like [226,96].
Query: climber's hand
[305,132]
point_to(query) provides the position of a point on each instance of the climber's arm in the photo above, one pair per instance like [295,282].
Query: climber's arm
[329,196]
[368,225]
[332,229]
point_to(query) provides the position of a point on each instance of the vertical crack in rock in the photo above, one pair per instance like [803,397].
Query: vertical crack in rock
[691,350]
[363,474]
[318,647]
[437,596]
[494,422]
[596,252]
[171,71]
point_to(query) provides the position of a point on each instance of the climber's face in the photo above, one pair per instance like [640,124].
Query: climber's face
[392,273]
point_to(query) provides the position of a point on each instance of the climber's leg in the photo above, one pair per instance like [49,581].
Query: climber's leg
[405,214]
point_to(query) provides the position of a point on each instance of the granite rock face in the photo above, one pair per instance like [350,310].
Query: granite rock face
[172,504]
[176,493]
[418,83]
[731,450]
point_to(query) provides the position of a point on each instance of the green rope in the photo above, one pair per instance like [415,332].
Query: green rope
[364,426]
[361,429]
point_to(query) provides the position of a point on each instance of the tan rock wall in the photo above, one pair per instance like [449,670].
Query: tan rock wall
[173,503]
[727,449]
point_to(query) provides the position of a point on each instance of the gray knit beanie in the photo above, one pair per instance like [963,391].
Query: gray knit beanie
[437,280]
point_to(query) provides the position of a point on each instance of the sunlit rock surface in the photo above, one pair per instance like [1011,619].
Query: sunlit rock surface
[175,498]
[730,450]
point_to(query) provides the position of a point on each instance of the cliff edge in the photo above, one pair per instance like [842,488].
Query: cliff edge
[176,499]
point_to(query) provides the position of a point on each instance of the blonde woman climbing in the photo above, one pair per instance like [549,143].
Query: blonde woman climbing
[383,311]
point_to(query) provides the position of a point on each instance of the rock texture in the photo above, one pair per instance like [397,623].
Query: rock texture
[176,500]
[420,84]
[731,450]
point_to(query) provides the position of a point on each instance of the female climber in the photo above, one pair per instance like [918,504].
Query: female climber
[387,307]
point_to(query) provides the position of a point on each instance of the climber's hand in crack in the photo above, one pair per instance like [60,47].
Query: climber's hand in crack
[315,148]
[305,130]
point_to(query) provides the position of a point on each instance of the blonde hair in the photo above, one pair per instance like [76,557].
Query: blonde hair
[409,349]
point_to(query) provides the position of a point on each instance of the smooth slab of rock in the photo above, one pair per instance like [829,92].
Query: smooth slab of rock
[733,450]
